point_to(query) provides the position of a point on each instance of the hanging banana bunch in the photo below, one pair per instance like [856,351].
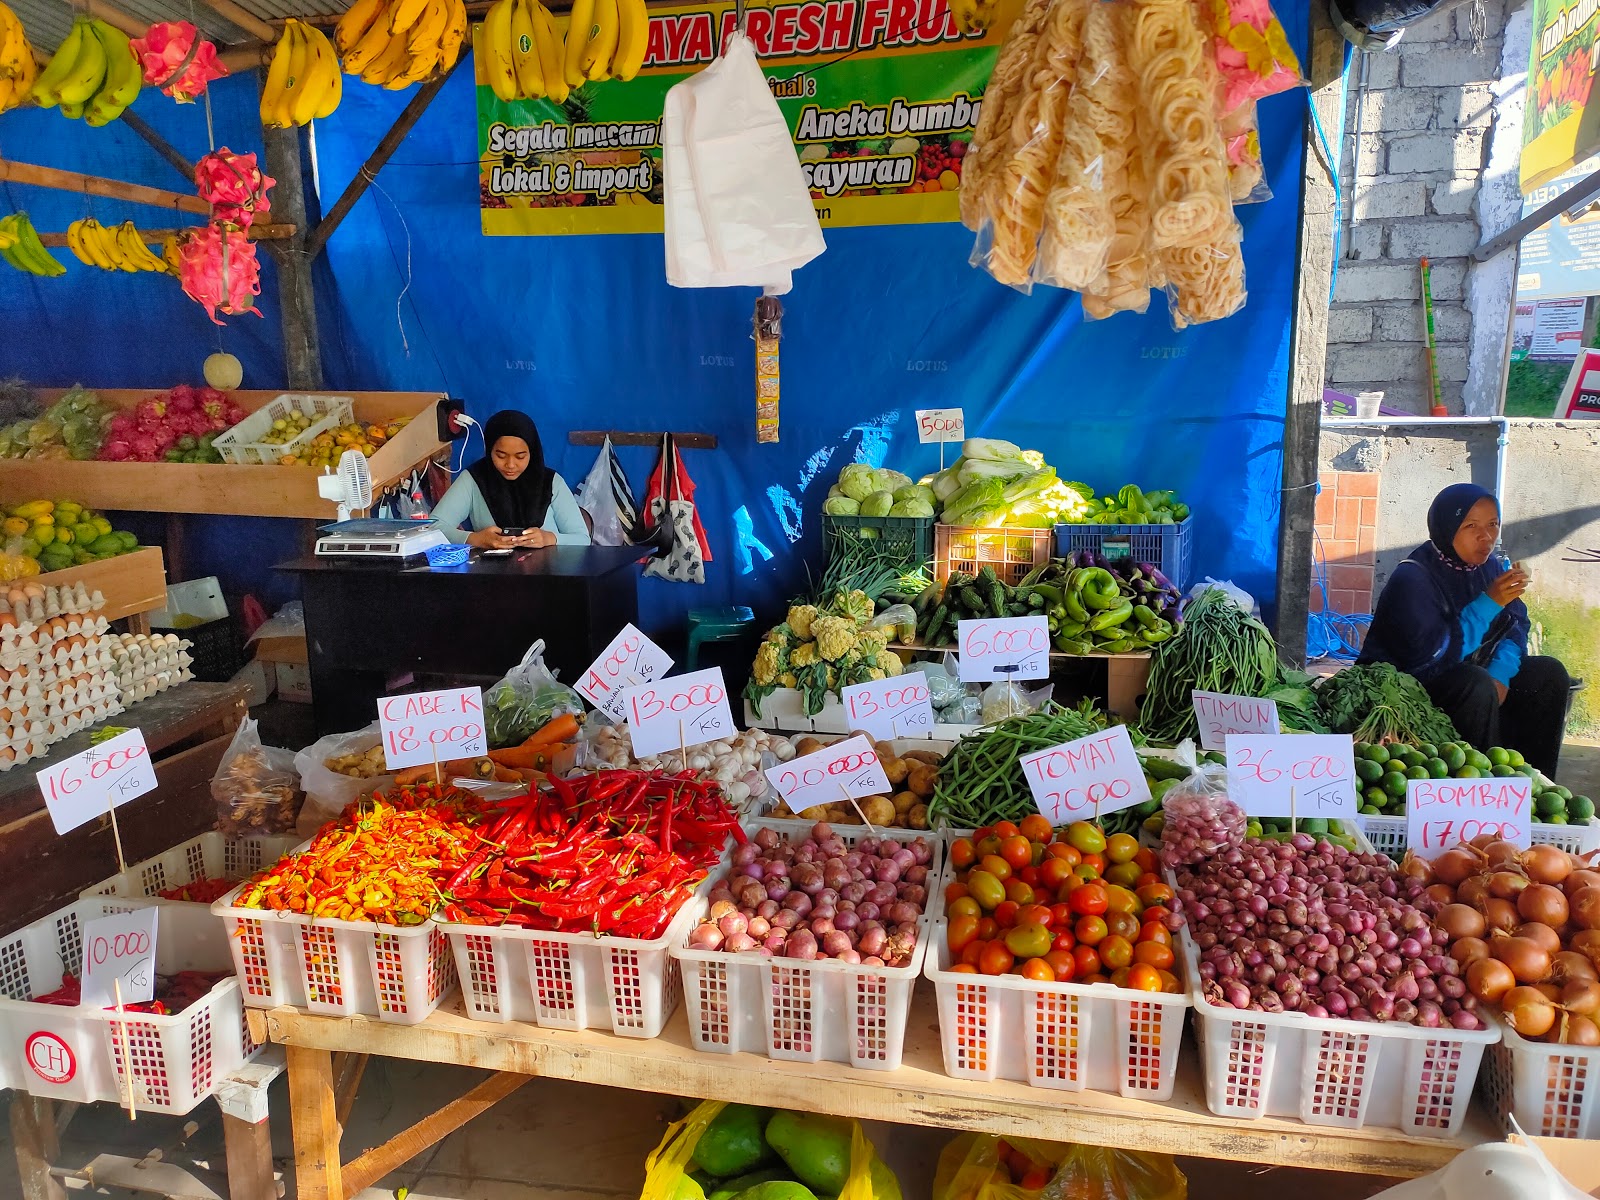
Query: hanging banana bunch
[20,246]
[395,43]
[94,74]
[18,69]
[121,249]
[303,80]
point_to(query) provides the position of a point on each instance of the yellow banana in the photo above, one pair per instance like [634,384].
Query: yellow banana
[525,52]
[169,253]
[455,33]
[357,19]
[429,28]
[370,47]
[46,90]
[389,64]
[11,93]
[633,38]
[403,15]
[496,47]
[276,80]
[330,83]
[308,89]
[131,240]
[596,60]
[88,70]
[91,245]
[550,53]
[124,75]
[7,238]
[580,23]
[103,245]
[294,87]
[74,243]
[14,48]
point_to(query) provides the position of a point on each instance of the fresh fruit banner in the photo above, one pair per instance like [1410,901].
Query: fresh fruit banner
[1558,127]
[882,97]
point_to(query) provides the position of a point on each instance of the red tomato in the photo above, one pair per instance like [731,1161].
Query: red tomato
[961,931]
[988,928]
[1116,951]
[1124,874]
[1154,913]
[1154,954]
[963,968]
[1067,853]
[962,854]
[1150,931]
[1035,828]
[1155,893]
[1097,861]
[996,865]
[1121,847]
[1037,1177]
[986,846]
[1120,899]
[1088,961]
[1086,871]
[1124,925]
[1061,916]
[1005,913]
[1088,901]
[1029,875]
[1090,931]
[1017,851]
[954,891]
[1063,964]
[981,832]
[1119,977]
[1053,870]
[1064,940]
[1005,829]
[1143,978]
[996,959]
[1035,914]
[1146,858]
[1018,892]
[973,951]
[1038,970]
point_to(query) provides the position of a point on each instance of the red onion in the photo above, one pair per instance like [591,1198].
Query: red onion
[733,923]
[758,927]
[872,941]
[767,839]
[768,908]
[848,956]
[777,888]
[1199,827]
[740,942]
[705,937]
[848,921]
[821,925]
[785,918]
[746,854]
[834,944]
[774,942]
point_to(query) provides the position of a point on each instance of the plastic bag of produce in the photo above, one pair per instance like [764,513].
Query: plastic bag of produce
[979,1166]
[256,787]
[525,700]
[900,620]
[1006,699]
[789,1155]
[337,770]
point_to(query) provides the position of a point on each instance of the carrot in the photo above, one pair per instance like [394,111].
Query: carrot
[469,768]
[558,729]
[523,756]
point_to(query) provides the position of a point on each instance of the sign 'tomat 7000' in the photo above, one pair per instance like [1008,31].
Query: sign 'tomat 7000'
[882,97]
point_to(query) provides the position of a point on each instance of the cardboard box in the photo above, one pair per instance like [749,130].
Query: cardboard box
[294,682]
[282,650]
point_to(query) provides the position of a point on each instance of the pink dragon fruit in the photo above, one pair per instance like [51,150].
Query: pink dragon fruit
[234,186]
[177,60]
[219,271]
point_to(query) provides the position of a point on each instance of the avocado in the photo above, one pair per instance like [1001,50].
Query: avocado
[817,1148]
[732,1144]
[777,1189]
[732,1187]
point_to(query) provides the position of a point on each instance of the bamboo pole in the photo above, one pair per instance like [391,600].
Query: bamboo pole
[93,185]
[249,22]
[154,237]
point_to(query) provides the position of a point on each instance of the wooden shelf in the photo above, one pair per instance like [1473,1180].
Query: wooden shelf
[132,583]
[265,491]
[919,1093]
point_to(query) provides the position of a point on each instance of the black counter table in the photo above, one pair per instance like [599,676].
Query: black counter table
[369,623]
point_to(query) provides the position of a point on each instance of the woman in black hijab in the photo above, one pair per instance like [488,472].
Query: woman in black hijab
[509,497]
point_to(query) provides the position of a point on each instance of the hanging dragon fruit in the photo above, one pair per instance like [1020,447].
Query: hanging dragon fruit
[218,269]
[234,186]
[178,60]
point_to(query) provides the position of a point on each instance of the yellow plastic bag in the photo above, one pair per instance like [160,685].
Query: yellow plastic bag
[970,1168]
[667,1177]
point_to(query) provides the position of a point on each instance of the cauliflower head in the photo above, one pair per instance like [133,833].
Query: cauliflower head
[802,656]
[835,637]
[800,618]
[769,663]
[788,680]
[889,663]
[875,673]
[873,641]
[853,606]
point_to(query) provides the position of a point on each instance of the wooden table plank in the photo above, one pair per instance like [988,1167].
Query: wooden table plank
[919,1093]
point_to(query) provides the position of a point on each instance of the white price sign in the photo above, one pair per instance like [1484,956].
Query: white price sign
[1003,648]
[890,708]
[121,946]
[103,777]
[425,727]
[693,708]
[850,767]
[941,425]
[1443,813]
[630,659]
[1298,774]
[1098,774]
[1220,714]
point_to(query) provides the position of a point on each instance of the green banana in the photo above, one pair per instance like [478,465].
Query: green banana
[123,79]
[46,89]
[88,71]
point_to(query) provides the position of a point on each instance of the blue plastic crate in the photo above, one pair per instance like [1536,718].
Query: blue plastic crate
[1170,548]
[453,555]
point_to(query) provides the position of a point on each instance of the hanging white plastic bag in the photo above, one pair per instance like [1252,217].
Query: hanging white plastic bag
[737,210]
[328,790]
[604,495]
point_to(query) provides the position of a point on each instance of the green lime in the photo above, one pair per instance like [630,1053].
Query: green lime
[1468,772]
[1375,797]
[1371,810]
[1454,756]
[1515,759]
[1564,792]
[1336,828]
[1394,783]
[1368,771]
[1477,758]
[1413,758]
[1377,754]
[1428,749]
[1580,808]
[1559,818]
[1417,772]
[1499,756]
[1525,771]
[1500,771]
[1547,804]
[1438,768]
[1252,829]
[1318,825]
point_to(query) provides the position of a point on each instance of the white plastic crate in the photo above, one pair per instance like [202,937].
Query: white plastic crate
[571,980]
[1552,1091]
[243,444]
[333,968]
[802,1011]
[1388,835]
[76,1053]
[784,711]
[1069,1036]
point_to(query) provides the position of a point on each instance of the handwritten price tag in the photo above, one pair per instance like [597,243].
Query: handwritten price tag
[425,727]
[1221,714]
[630,659]
[121,946]
[851,765]
[103,777]
[1318,768]
[1442,813]
[941,425]
[1004,648]
[695,704]
[890,708]
[1100,773]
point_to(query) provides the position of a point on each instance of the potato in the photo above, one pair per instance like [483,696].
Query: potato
[817,812]
[805,746]
[904,802]
[879,810]
[924,756]
[921,779]
[918,817]
[896,769]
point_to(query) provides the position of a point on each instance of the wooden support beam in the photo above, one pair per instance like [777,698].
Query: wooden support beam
[1303,420]
[348,1083]
[316,1128]
[33,1130]
[247,21]
[357,187]
[297,302]
[246,56]
[154,237]
[113,189]
[115,17]
[249,1152]
[366,1169]
[159,144]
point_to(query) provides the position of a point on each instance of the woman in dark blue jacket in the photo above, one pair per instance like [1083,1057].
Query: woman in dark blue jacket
[1452,616]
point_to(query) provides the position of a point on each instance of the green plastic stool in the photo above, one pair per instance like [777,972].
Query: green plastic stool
[715,625]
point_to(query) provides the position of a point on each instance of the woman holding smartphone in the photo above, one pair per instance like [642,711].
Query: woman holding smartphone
[1452,616]
[509,497]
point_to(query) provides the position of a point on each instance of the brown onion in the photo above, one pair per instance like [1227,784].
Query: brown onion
[1527,959]
[1580,879]
[1587,943]
[1542,935]
[1501,915]
[1529,1011]
[1489,979]
[1468,950]
[1418,869]
[1453,866]
[1581,996]
[1585,908]
[1474,891]
[1501,853]
[1461,921]
[1542,903]
[1440,893]
[1569,964]
[1546,864]
[1552,990]
[1580,1031]
[1483,840]
[1507,884]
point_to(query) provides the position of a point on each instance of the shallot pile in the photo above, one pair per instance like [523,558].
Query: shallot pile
[1525,929]
[1306,926]
[820,898]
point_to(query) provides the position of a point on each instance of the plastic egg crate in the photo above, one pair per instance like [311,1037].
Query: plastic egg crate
[76,1054]
[145,664]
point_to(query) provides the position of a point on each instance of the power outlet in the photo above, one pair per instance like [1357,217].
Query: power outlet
[448,412]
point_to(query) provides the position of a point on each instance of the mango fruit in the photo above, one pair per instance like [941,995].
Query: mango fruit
[732,1187]
[817,1148]
[732,1143]
[778,1189]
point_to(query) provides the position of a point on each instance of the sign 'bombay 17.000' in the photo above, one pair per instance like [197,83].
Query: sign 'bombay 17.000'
[881,134]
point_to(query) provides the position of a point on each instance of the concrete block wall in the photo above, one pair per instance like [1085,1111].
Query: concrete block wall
[1416,148]
[1347,541]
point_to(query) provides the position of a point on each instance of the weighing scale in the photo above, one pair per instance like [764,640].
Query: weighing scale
[372,538]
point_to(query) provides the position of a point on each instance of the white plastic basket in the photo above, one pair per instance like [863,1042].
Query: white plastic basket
[571,980]
[212,855]
[397,973]
[1388,835]
[1552,1091]
[76,1053]
[802,1011]
[1069,1036]
[243,444]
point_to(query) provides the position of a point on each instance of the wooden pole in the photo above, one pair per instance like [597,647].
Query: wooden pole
[249,22]
[154,237]
[12,171]
[246,56]
[159,144]
[1303,419]
[302,349]
[114,16]
[369,170]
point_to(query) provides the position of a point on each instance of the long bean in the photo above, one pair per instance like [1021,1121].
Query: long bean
[1220,648]
[981,780]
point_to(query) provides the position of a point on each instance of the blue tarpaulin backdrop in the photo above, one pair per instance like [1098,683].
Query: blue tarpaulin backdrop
[583,333]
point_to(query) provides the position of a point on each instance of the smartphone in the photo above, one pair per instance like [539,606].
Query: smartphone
[506,553]
[513,530]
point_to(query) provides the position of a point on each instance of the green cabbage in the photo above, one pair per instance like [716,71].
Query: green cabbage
[877,504]
[885,480]
[855,481]
[841,506]
[988,468]
[980,494]
[914,507]
[915,491]
[991,448]
[834,492]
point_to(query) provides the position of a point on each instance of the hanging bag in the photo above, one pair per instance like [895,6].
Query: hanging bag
[683,550]
[607,498]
